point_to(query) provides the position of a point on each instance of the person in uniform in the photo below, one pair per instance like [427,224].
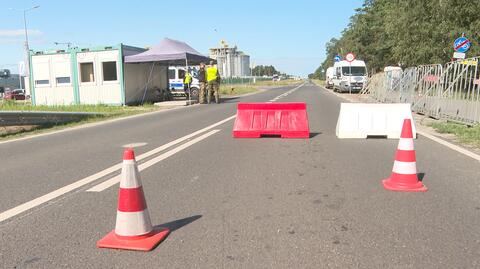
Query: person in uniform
[187,82]
[213,80]
[202,79]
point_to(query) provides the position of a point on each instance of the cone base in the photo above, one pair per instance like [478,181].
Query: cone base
[111,240]
[418,187]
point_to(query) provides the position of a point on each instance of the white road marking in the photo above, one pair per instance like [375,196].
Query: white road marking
[82,182]
[54,194]
[114,180]
[286,93]
[134,145]
[450,145]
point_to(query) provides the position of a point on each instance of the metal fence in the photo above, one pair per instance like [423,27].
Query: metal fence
[450,92]
[243,80]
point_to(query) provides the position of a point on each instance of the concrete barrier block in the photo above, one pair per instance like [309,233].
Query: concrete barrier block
[362,120]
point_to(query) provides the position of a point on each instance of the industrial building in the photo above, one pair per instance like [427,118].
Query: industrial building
[230,61]
[95,75]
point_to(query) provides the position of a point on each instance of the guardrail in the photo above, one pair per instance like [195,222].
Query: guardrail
[448,92]
[17,118]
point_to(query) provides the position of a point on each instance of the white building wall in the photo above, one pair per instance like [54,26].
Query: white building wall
[49,68]
[245,65]
[99,91]
[231,62]
[136,77]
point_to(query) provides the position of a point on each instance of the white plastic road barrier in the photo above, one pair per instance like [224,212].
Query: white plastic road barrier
[360,120]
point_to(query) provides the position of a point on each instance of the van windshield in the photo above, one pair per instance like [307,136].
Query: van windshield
[356,71]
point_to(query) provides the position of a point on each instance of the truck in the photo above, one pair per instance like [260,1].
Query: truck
[176,74]
[329,77]
[349,76]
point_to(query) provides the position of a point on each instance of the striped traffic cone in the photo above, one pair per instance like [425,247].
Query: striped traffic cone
[404,173]
[133,229]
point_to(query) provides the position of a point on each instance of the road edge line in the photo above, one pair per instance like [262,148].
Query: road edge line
[449,145]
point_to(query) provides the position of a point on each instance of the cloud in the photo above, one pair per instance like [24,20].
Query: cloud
[5,33]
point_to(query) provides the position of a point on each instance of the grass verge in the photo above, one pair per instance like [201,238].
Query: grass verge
[237,89]
[465,134]
[10,105]
[108,112]
[285,82]
[319,82]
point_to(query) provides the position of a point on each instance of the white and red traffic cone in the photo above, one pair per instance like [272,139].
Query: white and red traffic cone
[133,229]
[404,172]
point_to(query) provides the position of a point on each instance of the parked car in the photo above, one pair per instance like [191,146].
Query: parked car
[17,94]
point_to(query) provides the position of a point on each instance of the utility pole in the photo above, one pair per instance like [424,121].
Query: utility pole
[27,48]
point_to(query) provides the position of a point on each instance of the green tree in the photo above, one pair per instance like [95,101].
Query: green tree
[406,32]
[264,70]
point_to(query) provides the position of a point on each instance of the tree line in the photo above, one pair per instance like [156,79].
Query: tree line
[265,70]
[405,33]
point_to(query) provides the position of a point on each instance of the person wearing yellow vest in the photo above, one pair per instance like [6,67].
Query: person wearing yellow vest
[187,82]
[213,80]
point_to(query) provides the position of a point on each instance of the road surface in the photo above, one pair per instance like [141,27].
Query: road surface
[237,203]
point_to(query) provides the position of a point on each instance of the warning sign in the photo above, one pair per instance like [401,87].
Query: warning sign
[473,62]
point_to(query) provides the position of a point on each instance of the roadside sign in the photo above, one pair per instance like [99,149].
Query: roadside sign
[458,55]
[431,78]
[472,62]
[350,57]
[461,44]
[337,58]
[21,68]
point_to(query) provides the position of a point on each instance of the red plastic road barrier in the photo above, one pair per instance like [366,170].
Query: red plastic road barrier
[287,120]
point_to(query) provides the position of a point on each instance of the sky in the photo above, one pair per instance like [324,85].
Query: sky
[290,35]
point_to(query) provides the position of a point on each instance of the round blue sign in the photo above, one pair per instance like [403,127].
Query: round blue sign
[461,44]
[337,58]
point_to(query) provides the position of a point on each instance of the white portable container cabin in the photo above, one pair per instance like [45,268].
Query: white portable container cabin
[95,75]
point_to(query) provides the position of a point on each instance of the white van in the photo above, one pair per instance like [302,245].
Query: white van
[176,74]
[329,77]
[349,77]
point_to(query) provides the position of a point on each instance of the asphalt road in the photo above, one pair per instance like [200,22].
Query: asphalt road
[241,203]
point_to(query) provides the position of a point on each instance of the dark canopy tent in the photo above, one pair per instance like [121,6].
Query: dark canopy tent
[168,52]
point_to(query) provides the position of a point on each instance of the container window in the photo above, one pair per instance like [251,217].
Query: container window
[42,82]
[86,72]
[109,71]
[63,80]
